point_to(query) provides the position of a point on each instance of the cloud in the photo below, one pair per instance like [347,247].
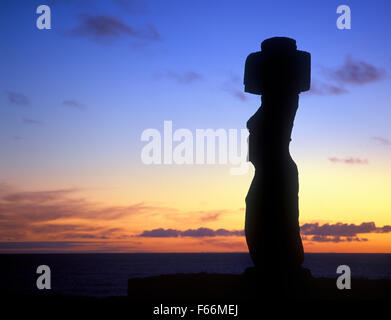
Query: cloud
[383,141]
[55,215]
[197,217]
[31,121]
[52,214]
[194,233]
[54,205]
[73,104]
[356,72]
[322,89]
[61,246]
[336,239]
[237,94]
[338,232]
[234,87]
[74,235]
[384,229]
[342,229]
[74,231]
[31,214]
[210,216]
[160,233]
[349,160]
[69,230]
[200,232]
[17,98]
[352,72]
[182,78]
[225,243]
[39,244]
[37,196]
[107,28]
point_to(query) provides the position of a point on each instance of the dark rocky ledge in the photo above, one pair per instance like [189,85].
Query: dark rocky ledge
[230,287]
[253,296]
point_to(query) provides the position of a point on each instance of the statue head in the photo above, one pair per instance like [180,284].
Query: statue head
[278,67]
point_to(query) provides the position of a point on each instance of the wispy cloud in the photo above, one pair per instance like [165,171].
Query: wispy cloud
[73,104]
[237,94]
[210,215]
[382,141]
[351,72]
[356,72]
[40,244]
[234,87]
[194,233]
[349,160]
[31,121]
[197,217]
[321,88]
[77,231]
[335,239]
[17,98]
[227,243]
[52,213]
[187,77]
[108,28]
[37,196]
[68,246]
[49,212]
[54,205]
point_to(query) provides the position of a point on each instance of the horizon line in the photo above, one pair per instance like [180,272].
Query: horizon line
[189,252]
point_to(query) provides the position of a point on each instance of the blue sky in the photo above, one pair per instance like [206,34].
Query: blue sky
[211,39]
[126,83]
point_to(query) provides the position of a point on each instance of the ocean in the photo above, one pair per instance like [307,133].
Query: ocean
[106,274]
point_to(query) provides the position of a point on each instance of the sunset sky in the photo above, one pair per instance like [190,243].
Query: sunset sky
[74,101]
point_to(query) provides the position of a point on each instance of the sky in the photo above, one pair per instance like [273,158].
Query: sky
[75,100]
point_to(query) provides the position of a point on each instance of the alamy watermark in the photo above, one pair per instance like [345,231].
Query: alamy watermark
[44,280]
[344,280]
[43,22]
[204,146]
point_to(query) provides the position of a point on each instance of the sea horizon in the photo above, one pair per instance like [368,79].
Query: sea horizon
[171,252]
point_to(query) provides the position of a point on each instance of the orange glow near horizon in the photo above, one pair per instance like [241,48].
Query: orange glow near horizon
[109,219]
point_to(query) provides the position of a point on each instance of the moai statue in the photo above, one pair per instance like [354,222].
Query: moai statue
[279,72]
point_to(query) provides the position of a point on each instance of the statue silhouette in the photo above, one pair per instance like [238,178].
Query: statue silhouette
[279,73]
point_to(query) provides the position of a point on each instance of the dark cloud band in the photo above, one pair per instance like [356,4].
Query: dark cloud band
[337,232]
